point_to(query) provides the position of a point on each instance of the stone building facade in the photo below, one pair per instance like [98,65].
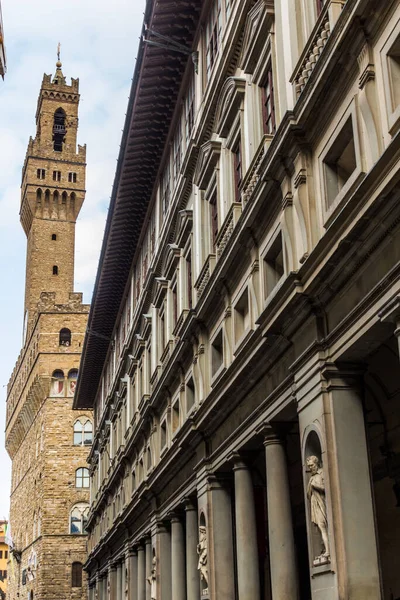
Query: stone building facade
[245,385]
[46,440]
[3,560]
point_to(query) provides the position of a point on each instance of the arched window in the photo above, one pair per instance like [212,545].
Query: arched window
[39,195]
[83,432]
[72,377]
[53,237]
[65,337]
[76,574]
[57,387]
[59,130]
[55,270]
[82,479]
[78,518]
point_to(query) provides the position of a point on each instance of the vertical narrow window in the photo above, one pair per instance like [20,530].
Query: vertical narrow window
[178,151]
[41,173]
[56,175]
[189,280]
[72,177]
[238,168]
[269,103]
[214,219]
[55,270]
[76,574]
[165,190]
[189,110]
[213,35]
[174,306]
[53,237]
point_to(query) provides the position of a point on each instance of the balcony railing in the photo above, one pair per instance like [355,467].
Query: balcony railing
[316,43]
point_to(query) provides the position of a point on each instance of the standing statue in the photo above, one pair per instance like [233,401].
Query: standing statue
[316,496]
[152,580]
[202,552]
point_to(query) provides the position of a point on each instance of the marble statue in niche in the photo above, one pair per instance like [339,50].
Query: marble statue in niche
[152,580]
[203,556]
[317,499]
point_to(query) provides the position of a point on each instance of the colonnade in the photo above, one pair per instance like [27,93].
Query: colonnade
[164,564]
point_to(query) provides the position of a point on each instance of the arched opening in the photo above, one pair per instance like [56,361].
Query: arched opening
[57,388]
[38,195]
[59,130]
[78,518]
[65,337]
[72,377]
[55,270]
[76,574]
[64,198]
[83,432]
[82,479]
[54,237]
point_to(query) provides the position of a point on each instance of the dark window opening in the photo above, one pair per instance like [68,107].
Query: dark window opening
[214,219]
[238,169]
[55,270]
[72,177]
[56,175]
[269,104]
[59,130]
[41,173]
[217,353]
[65,337]
[340,162]
[53,236]
[76,574]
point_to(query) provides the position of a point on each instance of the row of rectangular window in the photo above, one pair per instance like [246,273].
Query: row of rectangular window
[5,554]
[41,174]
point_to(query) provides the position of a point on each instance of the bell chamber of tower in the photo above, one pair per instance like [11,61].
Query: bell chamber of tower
[52,192]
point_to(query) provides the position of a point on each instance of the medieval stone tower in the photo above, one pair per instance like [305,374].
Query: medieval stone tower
[46,440]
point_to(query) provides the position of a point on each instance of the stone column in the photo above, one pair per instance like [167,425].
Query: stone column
[112,575]
[141,574]
[192,574]
[284,582]
[133,575]
[220,555]
[353,526]
[123,579]
[149,558]
[164,563]
[178,568]
[119,576]
[246,533]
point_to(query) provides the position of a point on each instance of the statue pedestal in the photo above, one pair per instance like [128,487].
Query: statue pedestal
[321,560]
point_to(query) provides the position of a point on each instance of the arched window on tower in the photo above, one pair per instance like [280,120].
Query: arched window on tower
[55,270]
[83,432]
[76,574]
[82,478]
[59,130]
[57,386]
[78,518]
[72,377]
[65,337]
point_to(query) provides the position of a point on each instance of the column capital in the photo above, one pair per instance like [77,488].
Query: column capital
[239,461]
[189,505]
[342,375]
[218,481]
[270,433]
[390,313]
[175,517]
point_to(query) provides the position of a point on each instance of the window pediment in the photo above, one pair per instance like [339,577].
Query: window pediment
[229,102]
[139,344]
[173,255]
[258,25]
[208,159]
[161,290]
[184,227]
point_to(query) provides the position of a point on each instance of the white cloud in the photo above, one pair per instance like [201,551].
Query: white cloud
[99,41]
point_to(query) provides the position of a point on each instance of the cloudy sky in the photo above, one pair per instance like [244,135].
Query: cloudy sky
[99,40]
